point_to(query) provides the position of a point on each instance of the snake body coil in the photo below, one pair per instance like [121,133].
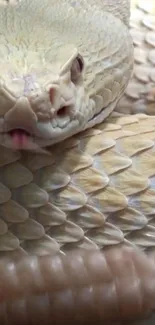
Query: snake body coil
[75,216]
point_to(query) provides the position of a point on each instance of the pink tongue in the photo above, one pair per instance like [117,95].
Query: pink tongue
[19,139]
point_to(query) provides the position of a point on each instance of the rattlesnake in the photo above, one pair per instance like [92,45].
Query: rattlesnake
[92,191]
[56,80]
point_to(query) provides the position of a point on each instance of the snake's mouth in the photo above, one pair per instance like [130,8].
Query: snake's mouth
[18,132]
[18,139]
[39,136]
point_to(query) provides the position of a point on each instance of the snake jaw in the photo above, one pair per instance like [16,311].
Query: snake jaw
[28,125]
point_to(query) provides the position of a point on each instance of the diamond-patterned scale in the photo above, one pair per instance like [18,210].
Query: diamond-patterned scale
[104,197]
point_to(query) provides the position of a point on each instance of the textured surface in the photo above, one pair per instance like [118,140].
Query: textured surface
[97,191]
[80,288]
[140,94]
[93,190]
[57,80]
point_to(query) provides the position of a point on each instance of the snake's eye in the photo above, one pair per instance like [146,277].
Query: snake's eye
[77,68]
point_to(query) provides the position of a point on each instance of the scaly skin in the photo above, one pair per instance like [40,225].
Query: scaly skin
[140,94]
[57,80]
[95,191]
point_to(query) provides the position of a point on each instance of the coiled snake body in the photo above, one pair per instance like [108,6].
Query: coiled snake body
[85,178]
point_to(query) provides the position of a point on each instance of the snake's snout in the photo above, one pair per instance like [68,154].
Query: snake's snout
[21,116]
[19,126]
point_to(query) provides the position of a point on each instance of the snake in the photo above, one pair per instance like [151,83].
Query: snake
[77,162]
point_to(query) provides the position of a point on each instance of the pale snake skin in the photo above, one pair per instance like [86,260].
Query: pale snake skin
[39,61]
[99,190]
[99,173]
[140,94]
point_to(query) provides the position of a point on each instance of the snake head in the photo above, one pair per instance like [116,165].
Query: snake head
[58,77]
[40,114]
